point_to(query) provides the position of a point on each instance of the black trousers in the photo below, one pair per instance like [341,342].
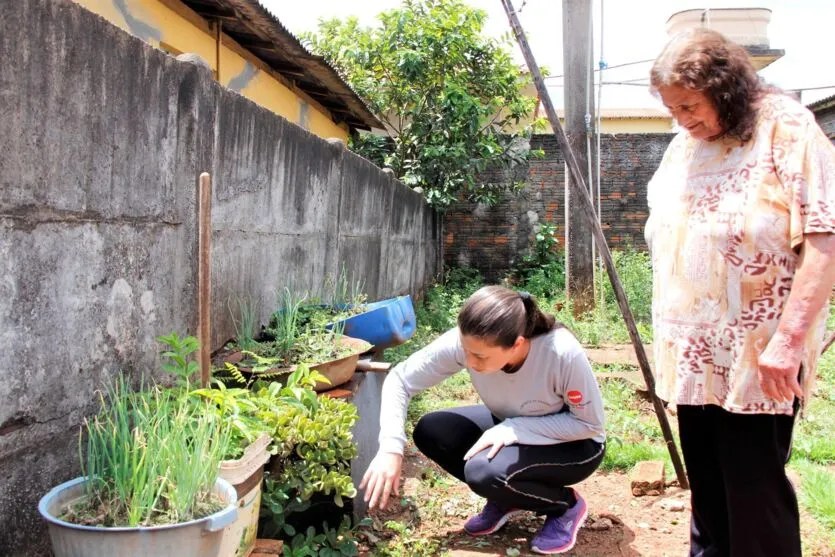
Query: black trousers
[743,503]
[529,477]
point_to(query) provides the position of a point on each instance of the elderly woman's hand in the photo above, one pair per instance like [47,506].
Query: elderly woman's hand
[779,367]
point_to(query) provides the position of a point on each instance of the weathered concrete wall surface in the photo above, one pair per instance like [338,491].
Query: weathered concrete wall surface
[102,139]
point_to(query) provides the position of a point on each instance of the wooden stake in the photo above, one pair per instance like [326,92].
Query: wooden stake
[580,190]
[204,276]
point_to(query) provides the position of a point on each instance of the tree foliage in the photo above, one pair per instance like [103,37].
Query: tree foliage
[450,96]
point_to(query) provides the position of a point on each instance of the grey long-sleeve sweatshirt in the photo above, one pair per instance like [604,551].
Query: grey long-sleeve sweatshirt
[552,398]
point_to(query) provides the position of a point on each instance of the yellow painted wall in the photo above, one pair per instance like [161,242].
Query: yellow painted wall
[158,23]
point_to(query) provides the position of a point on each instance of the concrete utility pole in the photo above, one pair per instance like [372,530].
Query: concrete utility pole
[579,101]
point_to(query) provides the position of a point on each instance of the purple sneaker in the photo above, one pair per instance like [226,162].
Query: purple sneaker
[559,533]
[490,519]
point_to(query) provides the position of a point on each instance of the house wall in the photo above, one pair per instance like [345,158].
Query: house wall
[100,151]
[172,26]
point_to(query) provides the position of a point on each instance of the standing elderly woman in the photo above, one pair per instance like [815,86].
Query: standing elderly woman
[742,215]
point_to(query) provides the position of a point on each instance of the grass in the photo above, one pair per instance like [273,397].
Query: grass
[632,428]
[458,390]
[817,491]
[813,449]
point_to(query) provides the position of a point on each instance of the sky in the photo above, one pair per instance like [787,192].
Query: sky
[632,30]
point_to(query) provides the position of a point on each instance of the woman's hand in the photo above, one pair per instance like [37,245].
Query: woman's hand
[779,367]
[496,437]
[382,479]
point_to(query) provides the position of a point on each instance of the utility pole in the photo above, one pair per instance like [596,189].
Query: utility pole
[579,102]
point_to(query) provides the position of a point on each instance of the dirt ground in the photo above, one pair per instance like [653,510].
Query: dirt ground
[434,506]
[618,523]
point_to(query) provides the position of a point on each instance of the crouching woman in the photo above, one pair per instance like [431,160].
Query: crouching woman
[538,431]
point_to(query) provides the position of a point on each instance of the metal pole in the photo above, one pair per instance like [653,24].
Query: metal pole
[579,188]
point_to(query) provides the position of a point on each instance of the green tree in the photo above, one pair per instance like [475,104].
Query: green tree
[450,96]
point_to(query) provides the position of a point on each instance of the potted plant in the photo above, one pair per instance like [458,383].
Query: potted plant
[383,324]
[246,415]
[294,338]
[309,476]
[150,482]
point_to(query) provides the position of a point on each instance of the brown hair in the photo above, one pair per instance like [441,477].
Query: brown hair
[499,315]
[707,61]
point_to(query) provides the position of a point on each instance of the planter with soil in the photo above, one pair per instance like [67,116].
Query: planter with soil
[339,365]
[246,476]
[200,537]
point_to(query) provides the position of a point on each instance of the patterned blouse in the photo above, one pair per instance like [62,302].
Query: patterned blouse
[726,224]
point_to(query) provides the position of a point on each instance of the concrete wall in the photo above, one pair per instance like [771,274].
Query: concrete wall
[493,239]
[102,139]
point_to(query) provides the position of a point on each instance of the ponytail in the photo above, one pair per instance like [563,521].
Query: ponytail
[537,322]
[501,315]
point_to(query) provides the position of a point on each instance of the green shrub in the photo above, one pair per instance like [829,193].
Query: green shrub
[635,272]
[313,445]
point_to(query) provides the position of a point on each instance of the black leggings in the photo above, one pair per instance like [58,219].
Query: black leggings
[529,477]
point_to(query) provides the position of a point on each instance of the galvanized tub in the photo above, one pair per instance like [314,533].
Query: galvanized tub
[197,538]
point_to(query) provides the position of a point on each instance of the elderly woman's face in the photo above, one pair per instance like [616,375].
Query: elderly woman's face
[693,111]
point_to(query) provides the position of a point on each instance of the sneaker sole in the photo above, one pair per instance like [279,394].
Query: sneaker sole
[569,546]
[496,527]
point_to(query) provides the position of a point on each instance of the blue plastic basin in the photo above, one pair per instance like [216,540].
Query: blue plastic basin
[386,323]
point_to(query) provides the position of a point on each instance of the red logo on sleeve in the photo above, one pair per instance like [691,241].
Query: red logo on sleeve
[575,397]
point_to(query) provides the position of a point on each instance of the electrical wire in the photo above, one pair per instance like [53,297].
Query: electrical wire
[609,67]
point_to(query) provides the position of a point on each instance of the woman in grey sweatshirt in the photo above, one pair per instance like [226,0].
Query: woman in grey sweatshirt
[539,429]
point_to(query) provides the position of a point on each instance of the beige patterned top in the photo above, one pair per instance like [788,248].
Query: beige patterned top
[725,227]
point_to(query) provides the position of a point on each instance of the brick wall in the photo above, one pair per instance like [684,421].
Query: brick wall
[493,239]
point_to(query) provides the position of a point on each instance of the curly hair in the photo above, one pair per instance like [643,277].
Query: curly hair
[707,61]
